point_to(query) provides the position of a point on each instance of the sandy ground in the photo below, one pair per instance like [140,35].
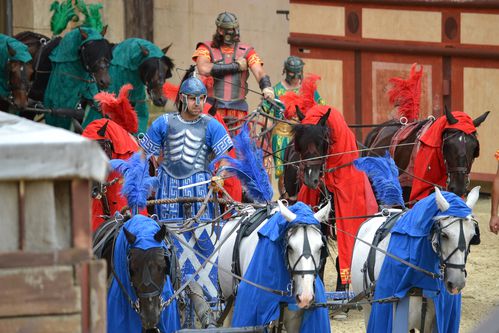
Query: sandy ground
[481,293]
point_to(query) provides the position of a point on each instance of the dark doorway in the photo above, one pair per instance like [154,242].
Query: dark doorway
[139,19]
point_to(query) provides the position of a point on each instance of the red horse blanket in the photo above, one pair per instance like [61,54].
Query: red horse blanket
[352,191]
[124,145]
[429,163]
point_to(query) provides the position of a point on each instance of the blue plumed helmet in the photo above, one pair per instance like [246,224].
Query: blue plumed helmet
[192,87]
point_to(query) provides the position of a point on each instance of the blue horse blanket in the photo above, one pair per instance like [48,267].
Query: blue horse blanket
[409,241]
[121,317]
[254,306]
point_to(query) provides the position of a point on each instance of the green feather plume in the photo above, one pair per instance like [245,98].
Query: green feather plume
[93,18]
[63,13]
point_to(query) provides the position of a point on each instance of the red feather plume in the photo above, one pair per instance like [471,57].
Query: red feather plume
[171,91]
[119,109]
[406,94]
[305,100]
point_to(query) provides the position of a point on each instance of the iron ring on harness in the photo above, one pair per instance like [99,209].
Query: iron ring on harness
[43,41]
[404,120]
[431,117]
[385,212]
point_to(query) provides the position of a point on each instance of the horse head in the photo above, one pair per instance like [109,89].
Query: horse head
[451,238]
[460,150]
[312,143]
[19,76]
[306,253]
[95,57]
[148,271]
[154,72]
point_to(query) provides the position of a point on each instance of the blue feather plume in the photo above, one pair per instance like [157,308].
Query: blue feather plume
[383,174]
[138,185]
[248,167]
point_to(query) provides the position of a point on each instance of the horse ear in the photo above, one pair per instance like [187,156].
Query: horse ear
[83,34]
[104,30]
[300,115]
[288,215]
[103,129]
[323,120]
[442,203]
[11,50]
[473,197]
[131,238]
[145,51]
[161,234]
[323,213]
[450,117]
[165,49]
[480,119]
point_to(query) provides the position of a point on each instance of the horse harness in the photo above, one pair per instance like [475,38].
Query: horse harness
[468,160]
[96,66]
[380,234]
[307,252]
[461,245]
[248,225]
[111,230]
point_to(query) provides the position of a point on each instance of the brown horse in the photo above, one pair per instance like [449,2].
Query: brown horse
[39,46]
[459,151]
[18,75]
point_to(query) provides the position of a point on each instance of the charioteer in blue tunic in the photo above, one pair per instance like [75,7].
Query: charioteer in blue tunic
[184,144]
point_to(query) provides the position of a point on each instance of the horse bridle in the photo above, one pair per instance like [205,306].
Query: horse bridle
[461,246]
[97,65]
[458,169]
[25,82]
[150,74]
[306,253]
[147,279]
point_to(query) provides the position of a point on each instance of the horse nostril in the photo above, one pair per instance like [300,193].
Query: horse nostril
[298,299]
[449,285]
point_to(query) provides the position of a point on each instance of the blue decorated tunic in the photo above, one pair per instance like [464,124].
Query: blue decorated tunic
[185,149]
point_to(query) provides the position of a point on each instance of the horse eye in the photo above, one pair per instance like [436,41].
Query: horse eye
[445,236]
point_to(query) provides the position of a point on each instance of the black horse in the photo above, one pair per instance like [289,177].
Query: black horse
[459,151]
[153,73]
[148,268]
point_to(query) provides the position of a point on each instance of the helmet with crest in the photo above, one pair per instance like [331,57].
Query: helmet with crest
[230,25]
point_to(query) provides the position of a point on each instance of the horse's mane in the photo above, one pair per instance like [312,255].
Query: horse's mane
[30,37]
[305,134]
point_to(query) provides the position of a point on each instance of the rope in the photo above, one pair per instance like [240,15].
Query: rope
[394,257]
[240,278]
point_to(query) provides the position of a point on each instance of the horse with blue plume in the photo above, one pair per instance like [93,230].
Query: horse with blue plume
[141,260]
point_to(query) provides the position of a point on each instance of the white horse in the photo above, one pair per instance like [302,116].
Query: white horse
[445,242]
[304,265]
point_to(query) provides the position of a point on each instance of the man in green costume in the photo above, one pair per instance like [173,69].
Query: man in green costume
[282,133]
[145,66]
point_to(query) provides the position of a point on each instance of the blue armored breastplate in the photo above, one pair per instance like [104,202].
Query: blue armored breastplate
[185,147]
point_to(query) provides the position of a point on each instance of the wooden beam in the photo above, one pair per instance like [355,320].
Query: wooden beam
[326,42]
[30,259]
[42,324]
[38,291]
[473,4]
[483,177]
[80,214]
[98,296]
